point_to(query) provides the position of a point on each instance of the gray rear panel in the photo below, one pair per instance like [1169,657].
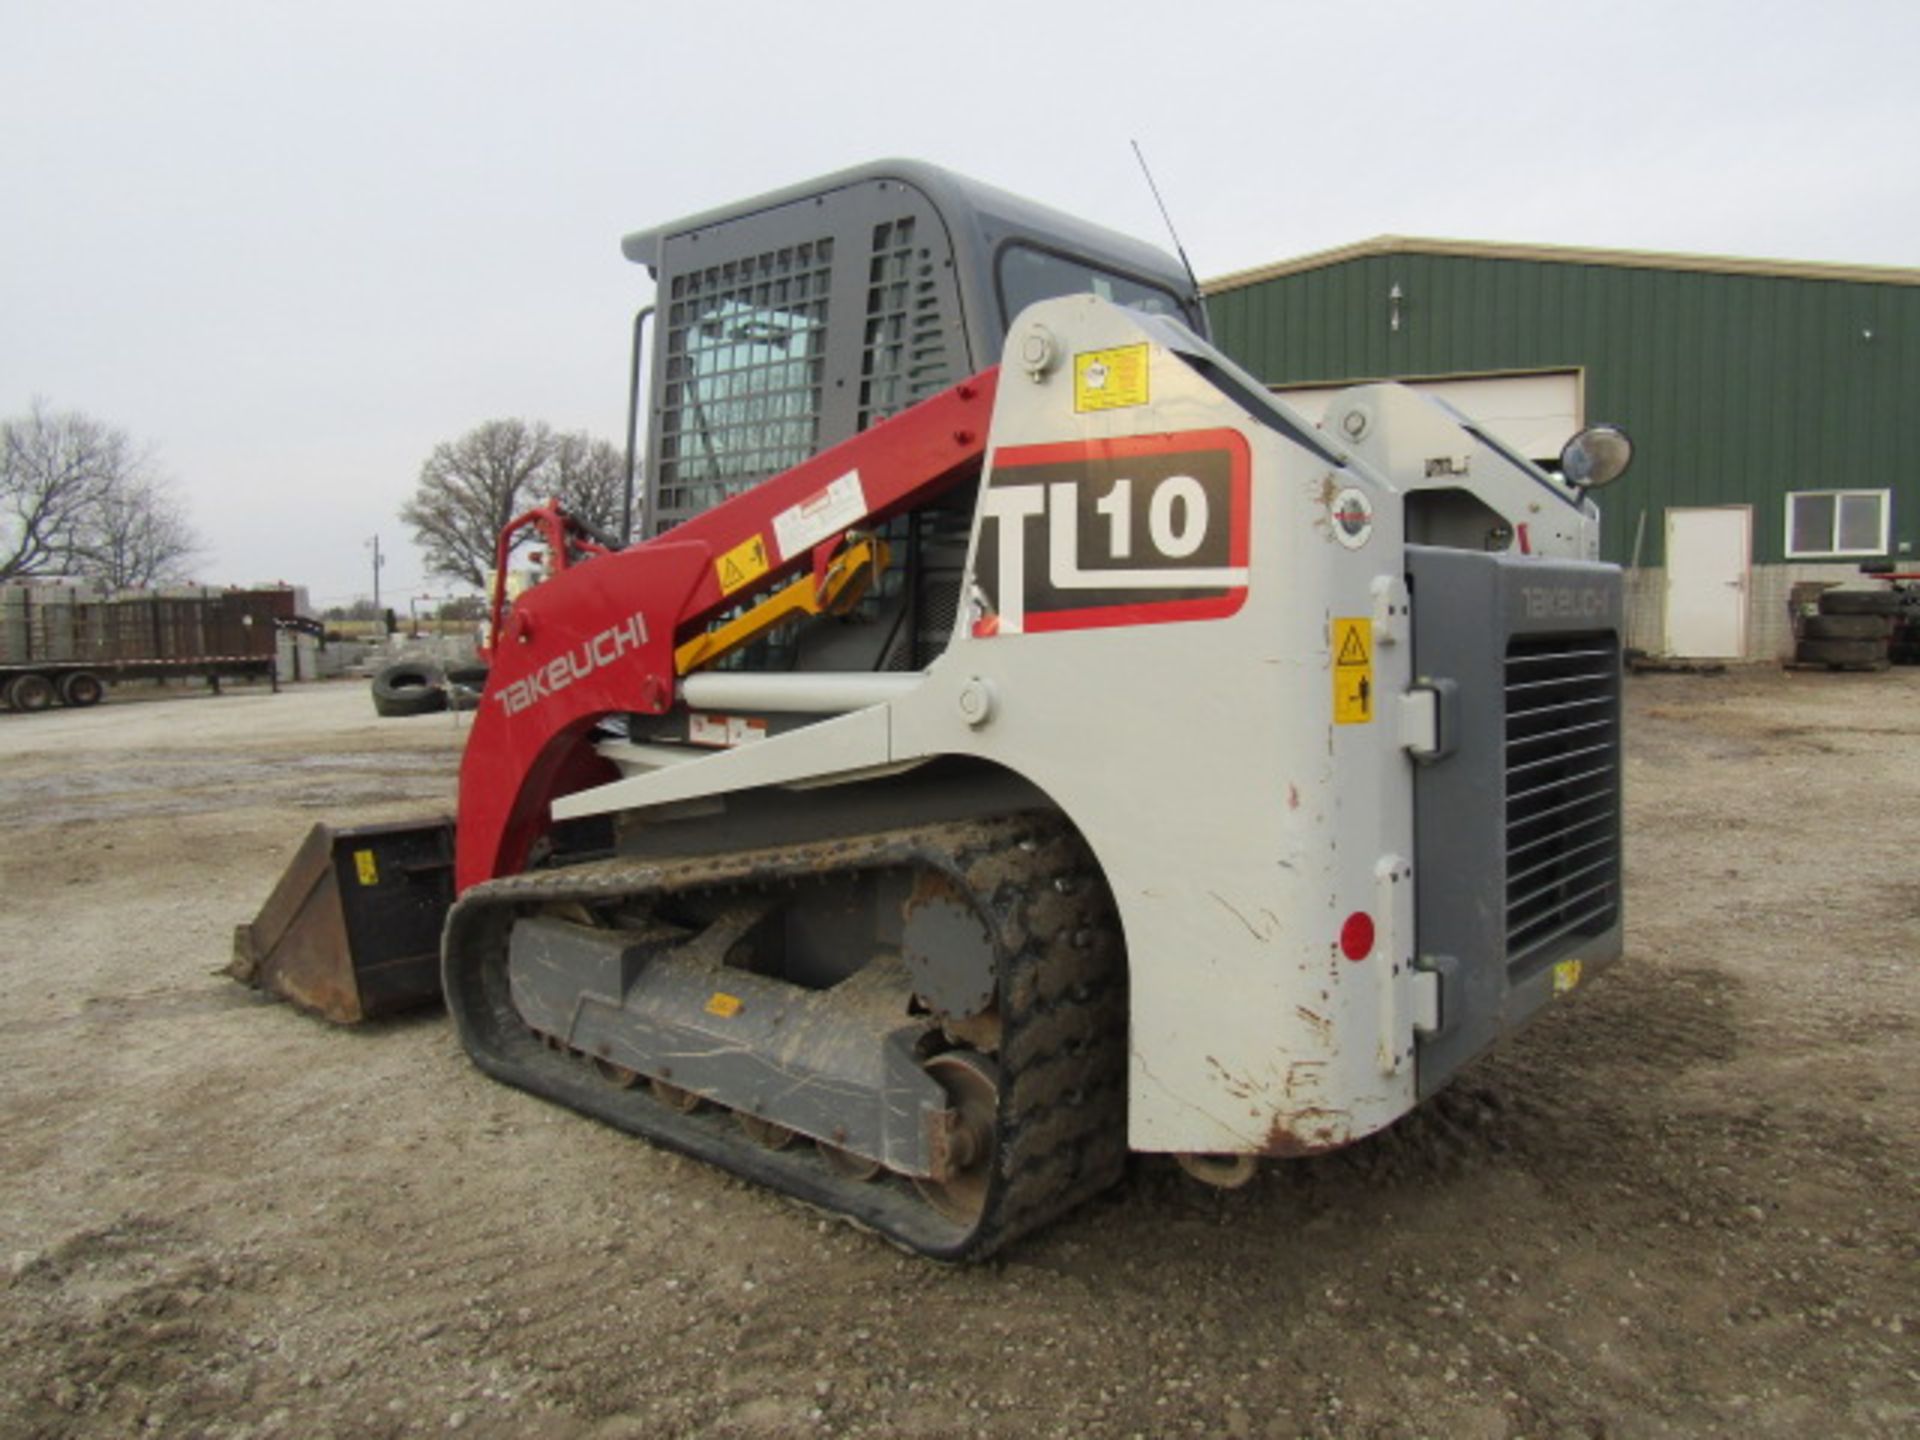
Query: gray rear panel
[1517,826]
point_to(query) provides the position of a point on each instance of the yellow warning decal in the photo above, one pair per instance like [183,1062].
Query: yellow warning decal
[364,867]
[724,1005]
[1566,975]
[742,565]
[1352,671]
[1110,379]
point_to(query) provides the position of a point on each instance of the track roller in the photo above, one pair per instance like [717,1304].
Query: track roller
[765,1133]
[685,1102]
[615,1075]
[854,1167]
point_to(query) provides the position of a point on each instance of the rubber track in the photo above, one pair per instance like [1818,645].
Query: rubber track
[1062,1055]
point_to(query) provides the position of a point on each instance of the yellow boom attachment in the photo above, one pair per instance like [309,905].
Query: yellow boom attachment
[849,574]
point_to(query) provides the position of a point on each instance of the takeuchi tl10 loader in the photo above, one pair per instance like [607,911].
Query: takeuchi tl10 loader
[1021,740]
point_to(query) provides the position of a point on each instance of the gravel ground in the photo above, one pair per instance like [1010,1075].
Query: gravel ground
[1681,1204]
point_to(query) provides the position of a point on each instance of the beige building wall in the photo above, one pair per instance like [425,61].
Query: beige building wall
[1769,617]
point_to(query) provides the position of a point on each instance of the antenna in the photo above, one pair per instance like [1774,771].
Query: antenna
[1178,248]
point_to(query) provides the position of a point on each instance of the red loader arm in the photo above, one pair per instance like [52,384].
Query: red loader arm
[598,639]
[570,540]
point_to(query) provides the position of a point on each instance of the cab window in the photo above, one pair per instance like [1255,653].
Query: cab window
[1027,274]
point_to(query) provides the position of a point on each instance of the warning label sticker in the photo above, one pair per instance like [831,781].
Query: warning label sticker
[364,867]
[742,565]
[1352,671]
[827,511]
[1110,379]
[724,730]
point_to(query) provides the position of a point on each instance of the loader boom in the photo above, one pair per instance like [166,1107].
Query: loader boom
[600,639]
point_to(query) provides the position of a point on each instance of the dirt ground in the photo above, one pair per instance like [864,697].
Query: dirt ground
[1682,1203]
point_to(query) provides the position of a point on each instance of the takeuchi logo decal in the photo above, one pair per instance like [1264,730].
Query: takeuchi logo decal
[578,663]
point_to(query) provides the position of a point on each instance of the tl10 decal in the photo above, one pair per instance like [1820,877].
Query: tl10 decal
[1135,531]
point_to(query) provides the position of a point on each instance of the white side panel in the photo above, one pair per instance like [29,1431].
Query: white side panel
[1237,824]
[1535,414]
[1709,551]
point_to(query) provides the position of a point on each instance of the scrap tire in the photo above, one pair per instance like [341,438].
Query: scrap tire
[1846,627]
[1860,602]
[81,688]
[409,687]
[1851,654]
[28,693]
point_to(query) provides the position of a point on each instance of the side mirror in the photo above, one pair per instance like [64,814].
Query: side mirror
[1596,457]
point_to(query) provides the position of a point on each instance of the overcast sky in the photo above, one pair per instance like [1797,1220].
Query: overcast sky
[292,247]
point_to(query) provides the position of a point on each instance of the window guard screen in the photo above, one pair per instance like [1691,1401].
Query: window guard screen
[745,366]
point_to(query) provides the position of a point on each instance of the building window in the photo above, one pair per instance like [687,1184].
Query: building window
[1836,522]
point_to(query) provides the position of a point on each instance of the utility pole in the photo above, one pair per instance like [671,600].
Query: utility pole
[377,563]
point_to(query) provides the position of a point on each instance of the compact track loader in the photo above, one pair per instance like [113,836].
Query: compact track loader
[1022,738]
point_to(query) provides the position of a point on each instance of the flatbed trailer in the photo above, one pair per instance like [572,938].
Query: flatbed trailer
[84,682]
[64,645]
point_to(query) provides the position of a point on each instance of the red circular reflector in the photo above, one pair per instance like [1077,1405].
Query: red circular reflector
[1356,936]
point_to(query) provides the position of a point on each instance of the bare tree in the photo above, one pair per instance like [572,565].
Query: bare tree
[137,533]
[589,477]
[471,487]
[55,468]
[78,498]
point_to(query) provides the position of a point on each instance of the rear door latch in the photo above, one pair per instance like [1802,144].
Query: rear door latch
[1427,724]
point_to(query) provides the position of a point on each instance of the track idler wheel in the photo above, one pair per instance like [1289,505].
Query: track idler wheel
[973,1085]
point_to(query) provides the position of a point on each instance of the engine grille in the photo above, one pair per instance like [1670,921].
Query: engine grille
[1563,792]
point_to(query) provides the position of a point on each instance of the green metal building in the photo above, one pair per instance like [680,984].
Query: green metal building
[1775,407]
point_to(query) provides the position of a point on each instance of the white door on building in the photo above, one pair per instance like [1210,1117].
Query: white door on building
[1709,551]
